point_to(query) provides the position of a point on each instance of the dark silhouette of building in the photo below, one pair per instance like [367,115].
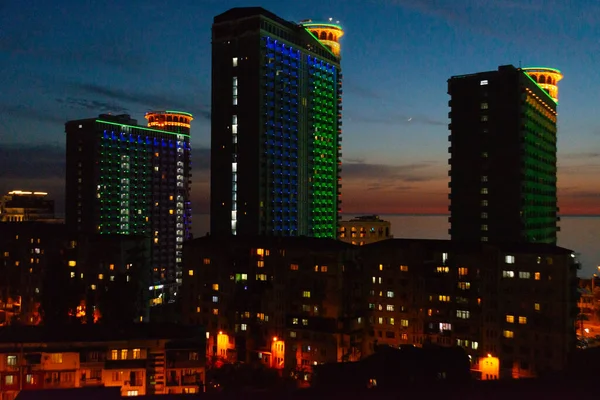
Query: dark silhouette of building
[503,155]
[275,126]
[294,303]
[126,179]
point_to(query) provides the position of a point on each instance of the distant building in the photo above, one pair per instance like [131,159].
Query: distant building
[276,125]
[140,360]
[126,179]
[364,230]
[27,253]
[20,206]
[503,155]
[296,302]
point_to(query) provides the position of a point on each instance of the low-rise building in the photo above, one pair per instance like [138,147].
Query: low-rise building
[140,359]
[364,230]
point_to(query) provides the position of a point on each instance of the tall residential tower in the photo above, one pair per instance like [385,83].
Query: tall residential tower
[503,155]
[127,179]
[276,125]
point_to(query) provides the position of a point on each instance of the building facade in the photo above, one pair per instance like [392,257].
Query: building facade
[126,179]
[503,155]
[140,361]
[19,206]
[275,126]
[364,230]
[319,301]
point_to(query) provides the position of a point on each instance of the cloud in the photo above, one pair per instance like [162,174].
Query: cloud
[148,100]
[382,174]
[95,105]
[396,119]
[353,87]
[25,161]
[22,111]
[579,156]
[582,194]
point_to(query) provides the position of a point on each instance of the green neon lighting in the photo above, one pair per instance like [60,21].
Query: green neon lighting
[542,89]
[179,112]
[315,24]
[544,68]
[322,45]
[142,128]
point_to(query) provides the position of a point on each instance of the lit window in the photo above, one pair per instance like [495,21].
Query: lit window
[390,307]
[93,287]
[261,277]
[464,285]
[443,270]
[380,320]
[235,61]
[324,268]
[56,358]
[390,294]
[100,276]
[260,252]
[381,267]
[524,274]
[462,271]
[215,286]
[293,334]
[260,263]
[509,259]
[392,321]
[191,272]
[198,309]
[404,322]
[294,267]
[508,274]
[295,321]
[114,355]
[538,276]
[474,345]
[404,268]
[484,227]
[484,106]
[215,311]
[215,299]
[508,334]
[137,353]
[484,178]
[244,327]
[11,360]
[206,261]
[484,118]
[537,307]
[463,314]
[444,298]
[131,393]
[522,320]
[9,379]
[304,321]
[483,82]
[306,293]
[72,263]
[484,215]
[123,354]
[484,191]
[510,319]
[484,203]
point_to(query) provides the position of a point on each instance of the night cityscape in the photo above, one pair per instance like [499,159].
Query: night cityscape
[234,200]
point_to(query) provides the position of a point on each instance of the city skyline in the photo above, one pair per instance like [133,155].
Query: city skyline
[60,66]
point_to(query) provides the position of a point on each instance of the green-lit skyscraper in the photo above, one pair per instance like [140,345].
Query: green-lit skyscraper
[503,155]
[127,179]
[276,125]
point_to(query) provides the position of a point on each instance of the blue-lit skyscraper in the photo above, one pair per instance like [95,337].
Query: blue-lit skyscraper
[127,179]
[276,125]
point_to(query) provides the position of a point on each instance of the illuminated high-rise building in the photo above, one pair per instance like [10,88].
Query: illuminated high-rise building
[276,125]
[503,155]
[123,178]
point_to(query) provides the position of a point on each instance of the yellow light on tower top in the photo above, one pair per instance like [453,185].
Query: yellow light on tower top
[173,121]
[546,78]
[328,33]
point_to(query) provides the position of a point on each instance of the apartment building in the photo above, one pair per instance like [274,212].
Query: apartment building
[141,359]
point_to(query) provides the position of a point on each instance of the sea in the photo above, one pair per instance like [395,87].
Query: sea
[578,233]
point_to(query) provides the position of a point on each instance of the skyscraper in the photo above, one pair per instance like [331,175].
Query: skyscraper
[127,179]
[503,155]
[276,125]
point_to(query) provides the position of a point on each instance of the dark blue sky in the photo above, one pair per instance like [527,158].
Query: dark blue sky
[75,59]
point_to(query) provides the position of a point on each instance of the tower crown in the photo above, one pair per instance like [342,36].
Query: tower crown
[546,78]
[327,33]
[172,121]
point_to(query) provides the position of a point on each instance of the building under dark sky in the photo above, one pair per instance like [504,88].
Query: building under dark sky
[503,155]
[127,179]
[276,125]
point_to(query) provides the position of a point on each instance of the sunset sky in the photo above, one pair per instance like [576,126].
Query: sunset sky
[74,59]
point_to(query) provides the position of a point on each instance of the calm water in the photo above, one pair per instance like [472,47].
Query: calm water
[580,234]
